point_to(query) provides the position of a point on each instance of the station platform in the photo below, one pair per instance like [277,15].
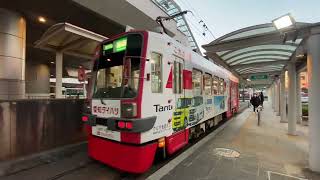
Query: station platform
[265,152]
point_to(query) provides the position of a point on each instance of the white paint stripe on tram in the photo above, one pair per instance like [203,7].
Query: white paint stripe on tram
[176,161]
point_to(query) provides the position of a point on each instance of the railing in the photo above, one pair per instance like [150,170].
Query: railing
[30,126]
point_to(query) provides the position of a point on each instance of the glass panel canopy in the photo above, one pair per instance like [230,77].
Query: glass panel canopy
[247,49]
[266,57]
[256,48]
[258,69]
[261,60]
[249,54]
[171,8]
[251,33]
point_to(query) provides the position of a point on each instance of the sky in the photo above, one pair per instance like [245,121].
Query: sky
[224,16]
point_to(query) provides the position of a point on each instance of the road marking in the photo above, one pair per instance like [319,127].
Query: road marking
[283,175]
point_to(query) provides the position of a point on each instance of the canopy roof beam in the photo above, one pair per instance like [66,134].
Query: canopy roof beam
[218,60]
[258,64]
[261,73]
[257,55]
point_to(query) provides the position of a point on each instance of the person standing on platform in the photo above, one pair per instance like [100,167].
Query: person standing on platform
[261,98]
[255,101]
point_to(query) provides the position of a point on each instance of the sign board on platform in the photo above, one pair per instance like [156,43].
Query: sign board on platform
[259,77]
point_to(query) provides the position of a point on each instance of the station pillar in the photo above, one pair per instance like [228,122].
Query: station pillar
[59,72]
[12,55]
[298,95]
[271,93]
[273,97]
[243,92]
[283,102]
[277,96]
[314,101]
[292,99]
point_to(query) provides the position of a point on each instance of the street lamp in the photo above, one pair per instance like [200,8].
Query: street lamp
[284,22]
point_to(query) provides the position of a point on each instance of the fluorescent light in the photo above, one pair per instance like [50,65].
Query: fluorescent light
[283,22]
[42,19]
[248,79]
[52,62]
[300,56]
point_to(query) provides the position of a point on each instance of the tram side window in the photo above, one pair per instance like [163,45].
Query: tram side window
[207,84]
[196,82]
[221,86]
[215,85]
[177,77]
[156,73]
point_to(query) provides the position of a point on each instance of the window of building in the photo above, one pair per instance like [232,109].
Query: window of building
[215,85]
[177,77]
[196,82]
[207,84]
[156,73]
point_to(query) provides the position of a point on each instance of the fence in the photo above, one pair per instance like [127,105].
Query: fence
[30,126]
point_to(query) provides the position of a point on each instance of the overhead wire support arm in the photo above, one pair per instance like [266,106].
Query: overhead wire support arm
[160,19]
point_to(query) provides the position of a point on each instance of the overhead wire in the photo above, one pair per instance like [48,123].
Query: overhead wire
[200,19]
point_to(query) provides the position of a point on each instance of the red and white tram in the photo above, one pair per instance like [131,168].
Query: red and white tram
[151,93]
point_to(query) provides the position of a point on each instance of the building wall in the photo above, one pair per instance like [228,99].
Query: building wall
[37,80]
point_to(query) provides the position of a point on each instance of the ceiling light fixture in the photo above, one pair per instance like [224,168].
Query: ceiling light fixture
[284,22]
[42,19]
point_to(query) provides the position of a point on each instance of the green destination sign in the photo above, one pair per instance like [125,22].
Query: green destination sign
[259,77]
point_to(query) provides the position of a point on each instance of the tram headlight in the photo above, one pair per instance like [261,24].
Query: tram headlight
[129,110]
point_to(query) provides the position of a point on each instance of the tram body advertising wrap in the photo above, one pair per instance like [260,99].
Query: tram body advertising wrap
[151,94]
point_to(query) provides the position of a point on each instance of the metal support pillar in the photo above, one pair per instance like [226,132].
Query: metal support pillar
[59,71]
[242,92]
[299,105]
[283,101]
[277,97]
[314,101]
[292,99]
[273,97]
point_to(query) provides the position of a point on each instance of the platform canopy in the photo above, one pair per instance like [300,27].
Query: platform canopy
[259,49]
[71,40]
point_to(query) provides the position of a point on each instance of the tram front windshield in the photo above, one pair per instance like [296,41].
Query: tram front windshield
[117,70]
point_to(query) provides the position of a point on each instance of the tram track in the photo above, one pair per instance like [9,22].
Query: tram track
[128,176]
[70,171]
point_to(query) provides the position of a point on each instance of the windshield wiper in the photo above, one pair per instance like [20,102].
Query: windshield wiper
[102,102]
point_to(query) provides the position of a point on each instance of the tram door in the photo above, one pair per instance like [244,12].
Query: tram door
[181,113]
